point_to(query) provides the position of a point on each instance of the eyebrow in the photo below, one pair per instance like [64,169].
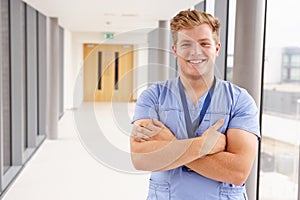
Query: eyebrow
[186,40]
[201,40]
[205,40]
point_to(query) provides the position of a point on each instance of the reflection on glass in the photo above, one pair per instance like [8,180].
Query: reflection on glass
[279,165]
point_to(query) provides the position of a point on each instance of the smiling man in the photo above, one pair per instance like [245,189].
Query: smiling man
[196,133]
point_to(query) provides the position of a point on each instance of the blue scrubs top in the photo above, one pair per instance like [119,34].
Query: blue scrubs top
[230,102]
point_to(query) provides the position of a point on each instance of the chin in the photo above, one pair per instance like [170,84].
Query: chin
[197,73]
[193,76]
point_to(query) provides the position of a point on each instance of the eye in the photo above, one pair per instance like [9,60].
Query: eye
[205,44]
[185,45]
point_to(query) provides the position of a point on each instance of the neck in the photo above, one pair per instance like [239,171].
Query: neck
[196,87]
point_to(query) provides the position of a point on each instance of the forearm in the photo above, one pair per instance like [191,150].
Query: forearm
[164,155]
[224,166]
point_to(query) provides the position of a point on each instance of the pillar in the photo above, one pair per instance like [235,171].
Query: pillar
[52,101]
[248,60]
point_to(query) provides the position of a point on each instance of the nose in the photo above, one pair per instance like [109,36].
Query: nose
[197,50]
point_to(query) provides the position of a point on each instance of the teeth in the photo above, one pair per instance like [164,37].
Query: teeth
[197,61]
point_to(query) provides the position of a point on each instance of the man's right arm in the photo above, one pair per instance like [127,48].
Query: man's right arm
[162,151]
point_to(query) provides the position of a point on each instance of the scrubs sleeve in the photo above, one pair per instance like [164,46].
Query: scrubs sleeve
[146,105]
[245,114]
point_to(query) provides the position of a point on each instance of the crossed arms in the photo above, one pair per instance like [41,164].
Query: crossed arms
[213,155]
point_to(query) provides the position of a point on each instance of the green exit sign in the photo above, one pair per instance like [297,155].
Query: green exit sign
[108,35]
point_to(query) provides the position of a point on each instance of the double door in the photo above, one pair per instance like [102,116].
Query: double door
[108,72]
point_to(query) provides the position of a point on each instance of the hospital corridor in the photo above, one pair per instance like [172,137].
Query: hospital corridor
[79,80]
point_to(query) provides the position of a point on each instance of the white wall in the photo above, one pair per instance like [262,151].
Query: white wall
[74,60]
[68,101]
[140,74]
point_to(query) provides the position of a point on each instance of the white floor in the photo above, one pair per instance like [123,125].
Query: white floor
[90,159]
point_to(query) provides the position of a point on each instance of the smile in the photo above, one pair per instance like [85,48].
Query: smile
[196,61]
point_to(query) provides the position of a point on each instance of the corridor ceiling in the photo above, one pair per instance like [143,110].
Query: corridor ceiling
[110,15]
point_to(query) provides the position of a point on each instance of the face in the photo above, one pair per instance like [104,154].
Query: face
[196,51]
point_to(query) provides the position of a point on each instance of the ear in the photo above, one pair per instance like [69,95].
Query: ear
[218,47]
[174,50]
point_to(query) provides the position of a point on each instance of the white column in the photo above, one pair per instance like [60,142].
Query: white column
[1,104]
[248,60]
[159,51]
[164,47]
[221,9]
[53,78]
[17,79]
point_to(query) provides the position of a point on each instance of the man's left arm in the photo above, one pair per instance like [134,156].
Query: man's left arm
[234,164]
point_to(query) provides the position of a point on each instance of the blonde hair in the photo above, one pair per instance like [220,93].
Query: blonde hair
[188,19]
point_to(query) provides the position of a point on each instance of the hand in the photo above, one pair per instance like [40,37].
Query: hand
[151,129]
[213,141]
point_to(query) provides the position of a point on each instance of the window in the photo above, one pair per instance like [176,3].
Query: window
[279,157]
[291,64]
[230,48]
[116,70]
[99,70]
[295,60]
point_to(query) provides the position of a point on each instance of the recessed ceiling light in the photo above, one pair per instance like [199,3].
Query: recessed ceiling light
[109,14]
[129,15]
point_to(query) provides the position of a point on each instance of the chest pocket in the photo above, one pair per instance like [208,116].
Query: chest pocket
[219,108]
[210,119]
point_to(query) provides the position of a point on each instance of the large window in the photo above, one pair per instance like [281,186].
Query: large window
[279,164]
[18,88]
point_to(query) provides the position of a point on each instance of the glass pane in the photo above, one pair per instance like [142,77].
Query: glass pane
[116,70]
[279,166]
[99,70]
[285,60]
[230,48]
[285,73]
[295,74]
[295,60]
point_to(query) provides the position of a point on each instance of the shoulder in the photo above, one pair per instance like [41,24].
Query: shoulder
[158,89]
[243,109]
[228,87]
[233,91]
[155,96]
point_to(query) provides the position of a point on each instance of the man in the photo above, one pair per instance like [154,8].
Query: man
[197,134]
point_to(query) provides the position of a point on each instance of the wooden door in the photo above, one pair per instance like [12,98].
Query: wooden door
[108,72]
